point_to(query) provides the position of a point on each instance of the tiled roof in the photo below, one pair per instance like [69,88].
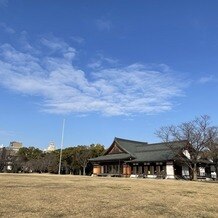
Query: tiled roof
[142,151]
[121,156]
[129,145]
[158,155]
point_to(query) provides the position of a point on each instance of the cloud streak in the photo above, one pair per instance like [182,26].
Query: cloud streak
[206,79]
[103,25]
[6,133]
[100,62]
[62,87]
[6,28]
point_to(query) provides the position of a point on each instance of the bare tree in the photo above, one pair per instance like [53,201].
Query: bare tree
[198,133]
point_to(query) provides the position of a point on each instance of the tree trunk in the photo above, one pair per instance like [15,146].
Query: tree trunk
[84,170]
[195,172]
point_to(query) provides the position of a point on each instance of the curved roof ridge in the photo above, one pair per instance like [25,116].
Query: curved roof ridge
[129,140]
[158,143]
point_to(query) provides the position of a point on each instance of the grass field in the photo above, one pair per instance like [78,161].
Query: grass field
[31,195]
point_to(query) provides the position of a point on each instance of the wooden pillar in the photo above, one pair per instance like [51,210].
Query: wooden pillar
[158,170]
[139,170]
[134,169]
[102,169]
[124,169]
[152,170]
[128,170]
[96,169]
[146,170]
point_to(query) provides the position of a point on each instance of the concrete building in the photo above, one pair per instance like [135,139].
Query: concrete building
[15,146]
[51,147]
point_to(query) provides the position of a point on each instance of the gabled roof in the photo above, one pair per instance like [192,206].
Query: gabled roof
[135,151]
[129,145]
[120,147]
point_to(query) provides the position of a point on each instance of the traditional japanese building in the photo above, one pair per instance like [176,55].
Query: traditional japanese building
[127,157]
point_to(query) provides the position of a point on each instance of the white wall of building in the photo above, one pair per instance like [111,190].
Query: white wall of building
[185,172]
[170,170]
[202,171]
[187,154]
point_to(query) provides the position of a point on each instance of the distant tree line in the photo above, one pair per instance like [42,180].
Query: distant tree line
[75,160]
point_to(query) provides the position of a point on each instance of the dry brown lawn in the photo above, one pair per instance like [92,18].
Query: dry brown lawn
[31,195]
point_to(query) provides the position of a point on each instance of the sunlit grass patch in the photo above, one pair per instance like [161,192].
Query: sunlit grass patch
[32,195]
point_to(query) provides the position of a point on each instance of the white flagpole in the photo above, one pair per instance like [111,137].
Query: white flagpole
[62,142]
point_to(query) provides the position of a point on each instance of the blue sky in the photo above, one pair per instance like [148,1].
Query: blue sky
[110,68]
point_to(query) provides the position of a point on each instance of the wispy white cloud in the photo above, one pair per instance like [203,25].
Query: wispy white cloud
[58,46]
[24,43]
[103,24]
[100,61]
[6,133]
[78,39]
[64,88]
[206,79]
[6,28]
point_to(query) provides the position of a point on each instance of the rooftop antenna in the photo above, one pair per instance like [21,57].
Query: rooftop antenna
[62,142]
